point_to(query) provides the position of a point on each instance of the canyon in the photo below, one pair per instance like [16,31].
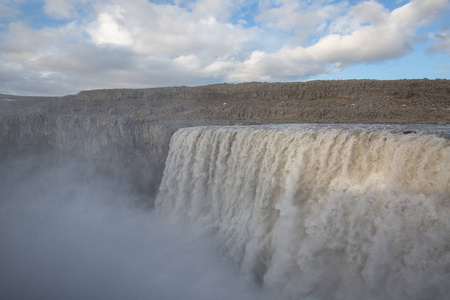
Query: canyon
[133,127]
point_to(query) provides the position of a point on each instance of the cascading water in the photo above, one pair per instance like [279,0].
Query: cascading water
[319,212]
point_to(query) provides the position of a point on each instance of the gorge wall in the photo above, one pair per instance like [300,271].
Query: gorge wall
[133,127]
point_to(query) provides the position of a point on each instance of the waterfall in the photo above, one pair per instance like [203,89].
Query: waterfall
[319,212]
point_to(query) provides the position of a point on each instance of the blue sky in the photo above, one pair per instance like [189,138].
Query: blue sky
[59,47]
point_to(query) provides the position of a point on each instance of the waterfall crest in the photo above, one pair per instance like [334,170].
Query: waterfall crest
[320,212]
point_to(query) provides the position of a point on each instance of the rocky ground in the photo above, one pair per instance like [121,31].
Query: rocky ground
[362,101]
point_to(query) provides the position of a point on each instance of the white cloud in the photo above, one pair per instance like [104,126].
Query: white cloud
[59,8]
[63,9]
[303,18]
[443,43]
[110,28]
[367,13]
[284,64]
[7,9]
[188,62]
[152,29]
[213,8]
[368,32]
[26,45]
[137,43]
[371,12]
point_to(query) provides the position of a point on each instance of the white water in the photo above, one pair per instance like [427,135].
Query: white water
[315,212]
[71,230]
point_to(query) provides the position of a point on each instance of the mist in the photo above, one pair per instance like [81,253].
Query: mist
[76,230]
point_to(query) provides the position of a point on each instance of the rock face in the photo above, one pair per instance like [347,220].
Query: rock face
[136,148]
[402,101]
[134,126]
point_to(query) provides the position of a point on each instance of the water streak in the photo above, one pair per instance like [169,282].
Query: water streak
[319,212]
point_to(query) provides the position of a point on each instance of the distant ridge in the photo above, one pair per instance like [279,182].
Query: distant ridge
[366,101]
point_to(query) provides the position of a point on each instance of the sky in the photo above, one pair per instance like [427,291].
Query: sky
[60,47]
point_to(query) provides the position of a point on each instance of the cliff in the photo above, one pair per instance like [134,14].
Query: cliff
[134,126]
[368,101]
